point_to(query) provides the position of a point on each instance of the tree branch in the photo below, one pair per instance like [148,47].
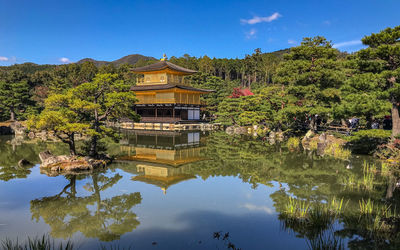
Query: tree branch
[108,111]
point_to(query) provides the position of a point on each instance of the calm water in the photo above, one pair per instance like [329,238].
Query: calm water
[176,190]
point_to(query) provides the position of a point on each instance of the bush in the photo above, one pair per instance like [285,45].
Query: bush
[367,141]
[337,151]
[293,143]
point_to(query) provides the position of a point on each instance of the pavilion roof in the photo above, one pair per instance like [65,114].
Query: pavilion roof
[163,65]
[168,86]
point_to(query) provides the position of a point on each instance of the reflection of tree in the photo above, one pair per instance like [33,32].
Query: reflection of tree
[106,219]
[11,154]
[307,177]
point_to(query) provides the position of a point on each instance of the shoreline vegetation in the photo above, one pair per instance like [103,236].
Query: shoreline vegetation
[311,87]
[335,103]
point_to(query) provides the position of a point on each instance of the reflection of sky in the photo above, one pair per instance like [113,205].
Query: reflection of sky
[189,212]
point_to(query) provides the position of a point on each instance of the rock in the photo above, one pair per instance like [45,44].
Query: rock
[236,130]
[322,138]
[305,142]
[279,136]
[31,135]
[240,130]
[23,163]
[230,130]
[45,155]
[321,148]
[18,128]
[272,135]
[309,134]
[322,144]
[64,164]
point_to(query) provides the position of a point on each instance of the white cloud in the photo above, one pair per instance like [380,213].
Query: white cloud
[64,60]
[347,44]
[3,59]
[258,19]
[251,34]
[253,207]
[326,22]
[291,42]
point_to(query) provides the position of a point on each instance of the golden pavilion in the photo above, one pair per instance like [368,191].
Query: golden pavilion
[164,97]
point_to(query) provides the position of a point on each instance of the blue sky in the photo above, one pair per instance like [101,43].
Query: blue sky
[66,31]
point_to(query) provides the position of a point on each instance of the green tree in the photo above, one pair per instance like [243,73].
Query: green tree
[222,89]
[107,98]
[14,97]
[382,57]
[362,96]
[312,74]
[63,115]
[84,109]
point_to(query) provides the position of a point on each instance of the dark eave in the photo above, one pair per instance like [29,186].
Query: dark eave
[168,86]
[161,65]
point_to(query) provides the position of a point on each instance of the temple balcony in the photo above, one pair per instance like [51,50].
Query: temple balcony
[174,98]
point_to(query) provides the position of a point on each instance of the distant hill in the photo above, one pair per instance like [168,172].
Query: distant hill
[130,59]
[279,53]
[28,67]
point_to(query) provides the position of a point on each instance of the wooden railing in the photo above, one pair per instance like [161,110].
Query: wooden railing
[164,100]
[160,119]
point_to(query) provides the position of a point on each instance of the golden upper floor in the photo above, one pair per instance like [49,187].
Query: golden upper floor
[160,78]
[162,72]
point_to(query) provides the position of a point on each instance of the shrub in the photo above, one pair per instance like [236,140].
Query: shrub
[293,143]
[337,151]
[367,141]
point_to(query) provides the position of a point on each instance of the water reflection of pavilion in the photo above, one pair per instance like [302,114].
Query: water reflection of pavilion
[161,159]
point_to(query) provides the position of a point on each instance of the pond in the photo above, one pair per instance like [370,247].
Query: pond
[195,190]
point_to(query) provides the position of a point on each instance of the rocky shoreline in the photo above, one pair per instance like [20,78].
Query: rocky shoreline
[65,164]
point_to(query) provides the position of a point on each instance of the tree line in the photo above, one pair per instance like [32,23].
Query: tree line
[307,85]
[316,84]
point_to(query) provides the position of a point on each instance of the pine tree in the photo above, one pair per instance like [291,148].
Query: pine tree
[14,97]
[382,58]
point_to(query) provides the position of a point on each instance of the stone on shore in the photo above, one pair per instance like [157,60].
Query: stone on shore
[66,163]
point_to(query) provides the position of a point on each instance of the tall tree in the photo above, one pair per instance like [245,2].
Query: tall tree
[84,109]
[313,74]
[382,57]
[63,115]
[107,98]
[14,97]
[362,96]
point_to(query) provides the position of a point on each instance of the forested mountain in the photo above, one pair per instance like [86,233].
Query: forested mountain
[37,82]
[27,68]
[129,59]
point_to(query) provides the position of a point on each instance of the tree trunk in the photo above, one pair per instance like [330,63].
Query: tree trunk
[96,191]
[71,143]
[395,120]
[93,142]
[313,123]
[12,114]
[73,186]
